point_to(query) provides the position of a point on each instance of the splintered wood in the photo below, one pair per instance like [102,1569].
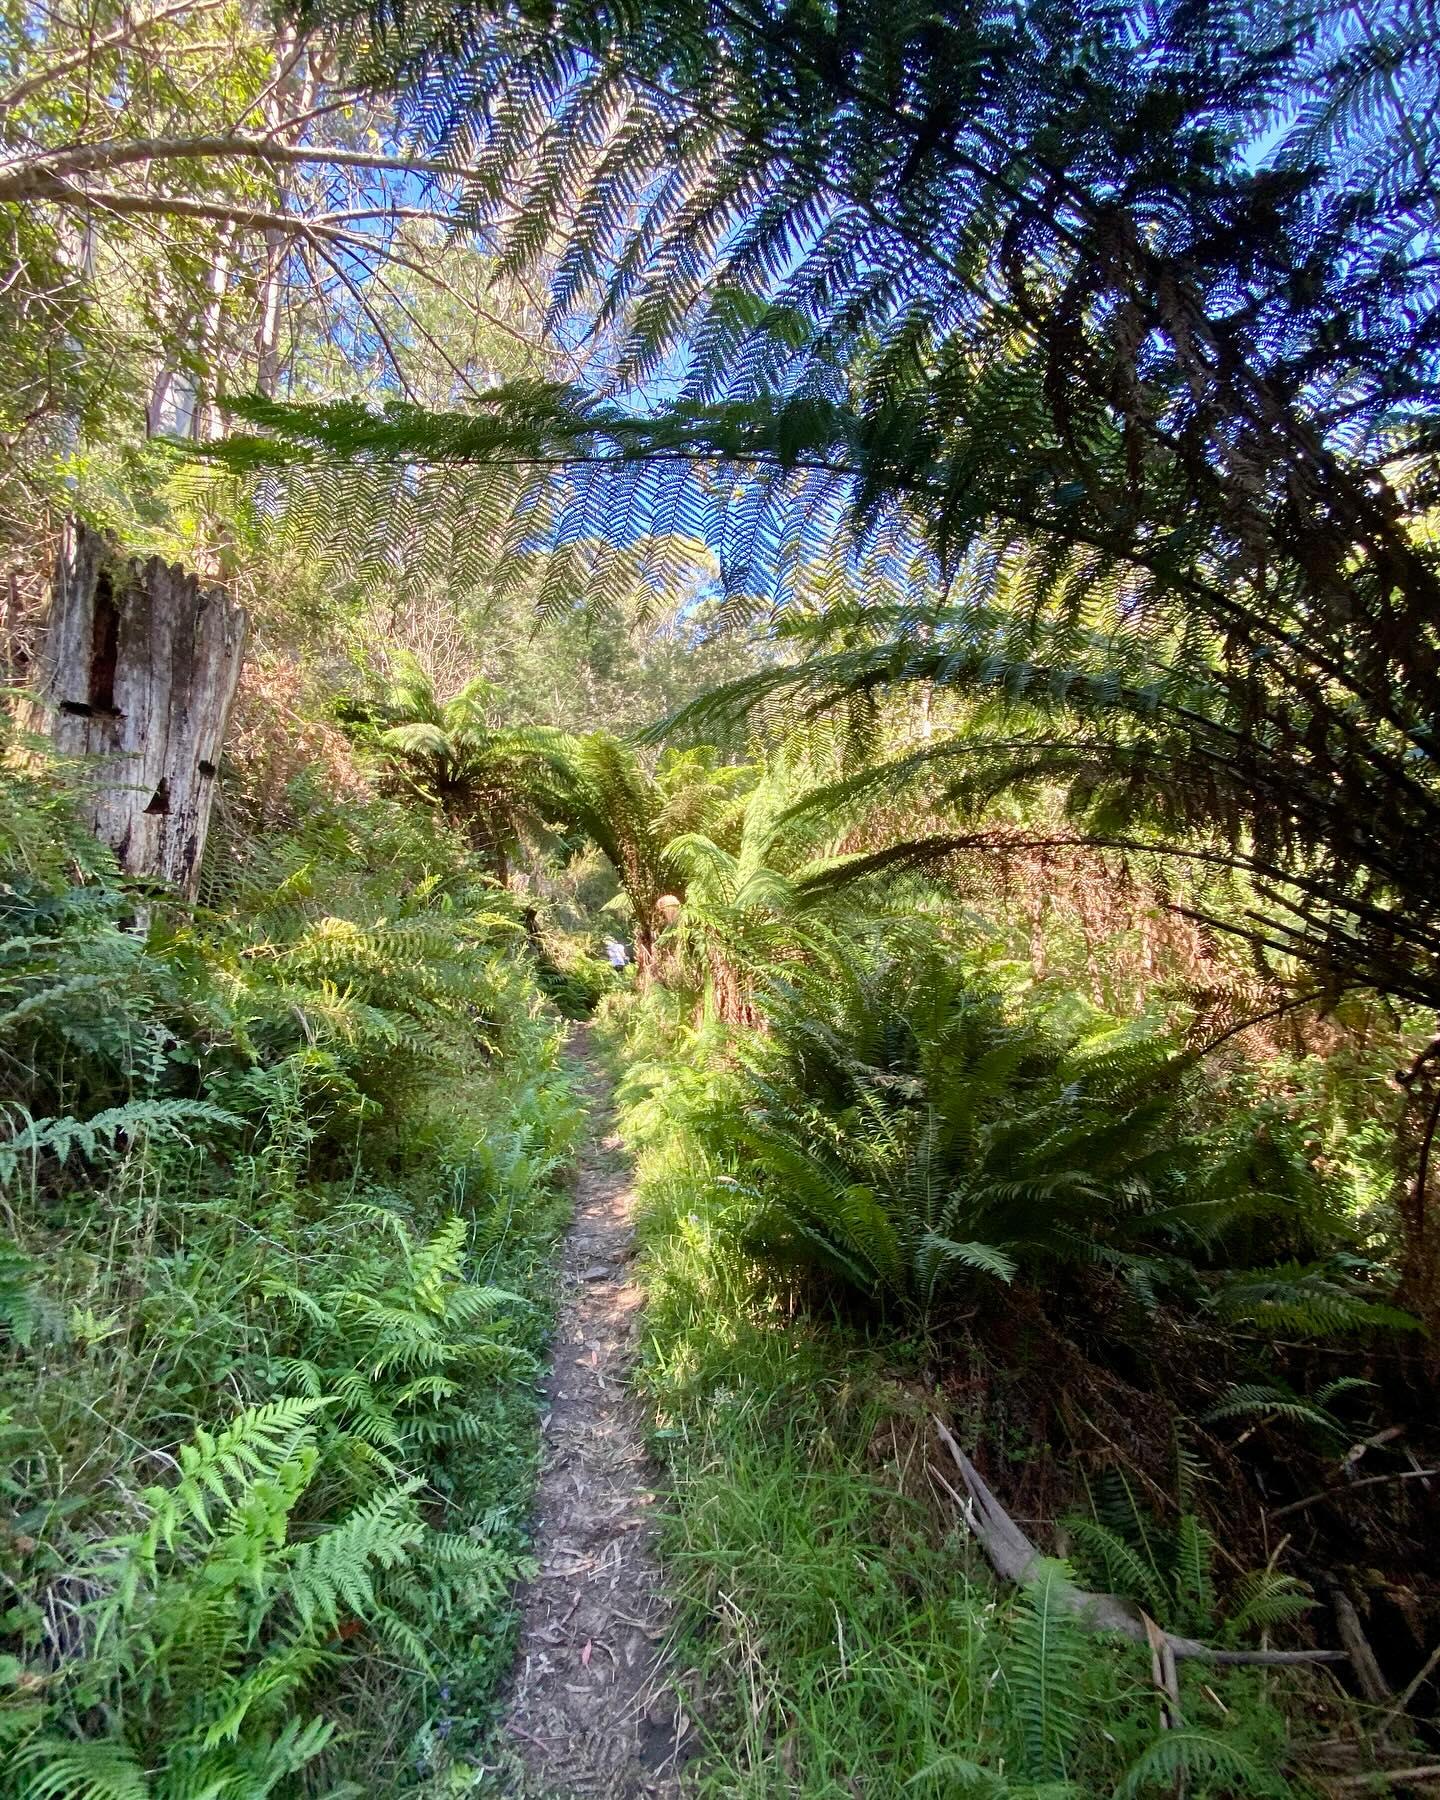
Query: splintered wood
[136,678]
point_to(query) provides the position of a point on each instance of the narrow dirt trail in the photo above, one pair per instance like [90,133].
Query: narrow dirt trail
[590,1710]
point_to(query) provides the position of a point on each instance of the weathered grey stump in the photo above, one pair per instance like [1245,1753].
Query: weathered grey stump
[137,674]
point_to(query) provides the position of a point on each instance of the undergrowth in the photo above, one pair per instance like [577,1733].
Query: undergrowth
[843,1635]
[278,1198]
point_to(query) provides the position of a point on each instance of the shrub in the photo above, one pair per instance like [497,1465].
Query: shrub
[907,1125]
[280,1190]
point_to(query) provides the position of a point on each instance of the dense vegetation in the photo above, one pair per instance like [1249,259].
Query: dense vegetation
[921,524]
[275,1294]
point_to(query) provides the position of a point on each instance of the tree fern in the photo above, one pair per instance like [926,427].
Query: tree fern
[915,334]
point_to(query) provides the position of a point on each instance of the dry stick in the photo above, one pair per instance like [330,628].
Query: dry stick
[1356,1451]
[1166,1679]
[1427,1772]
[1338,1493]
[1412,1687]
[1362,1658]
[1014,1557]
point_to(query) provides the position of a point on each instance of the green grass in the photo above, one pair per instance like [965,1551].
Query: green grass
[180,1294]
[841,1635]
[280,1188]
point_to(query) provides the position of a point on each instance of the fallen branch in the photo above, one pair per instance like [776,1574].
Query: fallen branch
[1426,1772]
[1350,1487]
[1414,1685]
[1014,1558]
[1368,1673]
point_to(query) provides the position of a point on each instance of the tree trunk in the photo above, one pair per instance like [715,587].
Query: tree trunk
[291,96]
[138,672]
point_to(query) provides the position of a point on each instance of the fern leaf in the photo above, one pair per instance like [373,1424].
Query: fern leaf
[1046,1673]
[54,1769]
[1188,1752]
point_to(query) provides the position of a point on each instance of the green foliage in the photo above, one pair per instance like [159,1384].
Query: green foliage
[640,819]
[108,1130]
[1167,1566]
[1046,1670]
[281,1248]
[1107,325]
[488,781]
[802,1539]
[906,1124]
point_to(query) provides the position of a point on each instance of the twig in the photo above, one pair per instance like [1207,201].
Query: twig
[1356,1451]
[1338,1493]
[1261,1018]
[1427,1772]
[1413,1687]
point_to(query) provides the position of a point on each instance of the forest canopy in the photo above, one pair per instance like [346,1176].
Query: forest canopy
[1089,351]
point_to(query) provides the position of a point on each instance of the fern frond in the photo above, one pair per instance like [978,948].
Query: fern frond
[56,1769]
[1045,1671]
[1188,1752]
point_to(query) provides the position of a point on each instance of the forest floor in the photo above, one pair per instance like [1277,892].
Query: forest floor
[591,1711]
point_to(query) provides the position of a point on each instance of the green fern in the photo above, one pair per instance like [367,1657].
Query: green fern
[1194,1589]
[25,1312]
[51,1769]
[1264,1599]
[908,1126]
[138,1119]
[332,1575]
[1188,1752]
[1045,1671]
[1307,1300]
[1253,1399]
[1119,1565]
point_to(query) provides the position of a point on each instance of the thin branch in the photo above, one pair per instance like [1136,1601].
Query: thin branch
[357,293]
[122,36]
[23,177]
[253,218]
[1296,1506]
[1425,1772]
[1274,1012]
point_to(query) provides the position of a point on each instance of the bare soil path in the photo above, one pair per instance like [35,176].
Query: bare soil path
[591,1711]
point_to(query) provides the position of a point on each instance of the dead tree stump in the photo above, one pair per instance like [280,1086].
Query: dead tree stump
[137,674]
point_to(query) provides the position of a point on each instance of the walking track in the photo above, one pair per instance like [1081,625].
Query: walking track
[591,1712]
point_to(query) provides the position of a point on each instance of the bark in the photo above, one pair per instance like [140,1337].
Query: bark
[137,676]
[34,175]
[207,422]
[290,98]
